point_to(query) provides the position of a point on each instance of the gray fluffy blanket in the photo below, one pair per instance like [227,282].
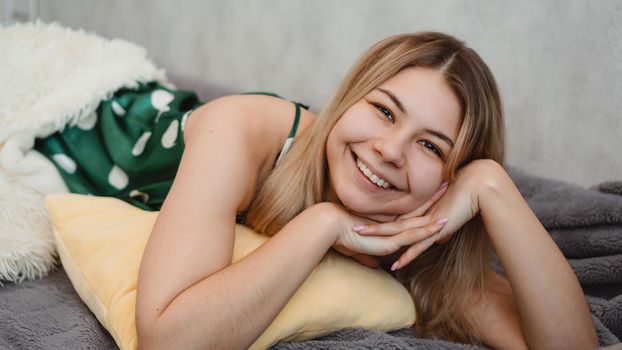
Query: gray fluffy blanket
[586,224]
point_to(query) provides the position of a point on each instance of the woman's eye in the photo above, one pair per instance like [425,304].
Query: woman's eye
[432,148]
[387,112]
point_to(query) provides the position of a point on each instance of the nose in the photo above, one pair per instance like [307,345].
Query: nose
[390,148]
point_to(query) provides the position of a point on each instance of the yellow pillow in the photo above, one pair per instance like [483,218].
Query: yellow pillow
[101,240]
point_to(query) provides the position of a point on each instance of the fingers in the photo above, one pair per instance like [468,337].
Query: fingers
[391,228]
[404,222]
[410,237]
[424,208]
[412,252]
[419,227]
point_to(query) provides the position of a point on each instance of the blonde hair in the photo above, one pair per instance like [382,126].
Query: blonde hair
[438,278]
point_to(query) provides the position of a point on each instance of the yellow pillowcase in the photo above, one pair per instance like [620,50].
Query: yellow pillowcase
[101,240]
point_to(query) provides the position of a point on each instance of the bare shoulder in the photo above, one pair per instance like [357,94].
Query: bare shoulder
[497,315]
[264,120]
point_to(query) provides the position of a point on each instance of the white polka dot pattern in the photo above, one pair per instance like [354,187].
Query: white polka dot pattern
[118,178]
[139,146]
[68,164]
[160,100]
[88,122]
[183,120]
[117,109]
[170,136]
[138,129]
[140,195]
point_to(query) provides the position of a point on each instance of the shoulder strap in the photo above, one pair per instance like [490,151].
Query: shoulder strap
[290,137]
[292,131]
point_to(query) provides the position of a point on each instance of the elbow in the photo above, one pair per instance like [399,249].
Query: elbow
[150,337]
[587,344]
[150,333]
[592,339]
[146,333]
[159,332]
[582,339]
[151,330]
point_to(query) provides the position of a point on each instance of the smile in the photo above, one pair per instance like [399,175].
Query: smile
[378,181]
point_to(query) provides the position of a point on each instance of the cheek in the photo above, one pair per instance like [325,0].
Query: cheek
[357,124]
[424,180]
[333,141]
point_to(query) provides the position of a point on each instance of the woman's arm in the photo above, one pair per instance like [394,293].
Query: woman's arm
[232,307]
[545,303]
[553,311]
[188,296]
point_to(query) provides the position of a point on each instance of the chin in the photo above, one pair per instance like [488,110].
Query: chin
[380,217]
[354,206]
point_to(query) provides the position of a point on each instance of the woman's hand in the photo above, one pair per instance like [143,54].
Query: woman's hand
[457,206]
[365,248]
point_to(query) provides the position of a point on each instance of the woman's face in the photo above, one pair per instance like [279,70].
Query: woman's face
[401,134]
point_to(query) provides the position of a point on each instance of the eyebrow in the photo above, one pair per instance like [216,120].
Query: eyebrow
[440,135]
[394,99]
[399,105]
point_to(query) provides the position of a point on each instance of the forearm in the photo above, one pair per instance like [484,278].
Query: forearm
[231,308]
[552,308]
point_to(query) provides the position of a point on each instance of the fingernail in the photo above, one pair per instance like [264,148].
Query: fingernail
[442,221]
[394,266]
[444,184]
[358,228]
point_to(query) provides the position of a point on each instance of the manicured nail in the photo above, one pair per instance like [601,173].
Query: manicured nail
[394,266]
[442,221]
[358,228]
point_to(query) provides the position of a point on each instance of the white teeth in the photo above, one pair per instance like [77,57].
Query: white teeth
[374,178]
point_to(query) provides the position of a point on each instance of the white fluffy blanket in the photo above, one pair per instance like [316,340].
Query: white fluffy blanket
[51,76]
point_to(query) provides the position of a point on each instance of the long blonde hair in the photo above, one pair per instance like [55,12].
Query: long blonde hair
[438,278]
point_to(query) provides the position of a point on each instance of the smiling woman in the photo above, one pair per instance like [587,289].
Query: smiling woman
[406,163]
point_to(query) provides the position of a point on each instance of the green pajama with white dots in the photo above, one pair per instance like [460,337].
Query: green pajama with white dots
[131,146]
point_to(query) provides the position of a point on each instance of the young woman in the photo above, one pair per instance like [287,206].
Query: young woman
[403,169]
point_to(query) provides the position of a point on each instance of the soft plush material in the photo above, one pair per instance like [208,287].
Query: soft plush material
[47,94]
[101,240]
[52,76]
[27,248]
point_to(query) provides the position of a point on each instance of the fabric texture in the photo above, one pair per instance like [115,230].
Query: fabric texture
[38,99]
[101,241]
[47,314]
[129,148]
[92,68]
[585,224]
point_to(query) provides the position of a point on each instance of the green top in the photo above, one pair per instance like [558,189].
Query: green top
[131,146]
